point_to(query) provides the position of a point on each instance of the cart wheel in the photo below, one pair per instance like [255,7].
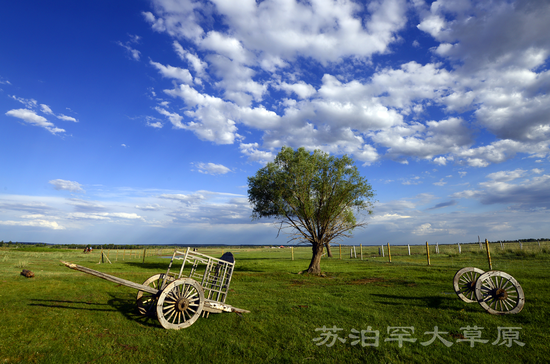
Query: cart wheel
[147,302]
[464,283]
[180,304]
[499,293]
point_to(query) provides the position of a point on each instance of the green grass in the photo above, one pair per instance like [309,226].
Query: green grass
[64,316]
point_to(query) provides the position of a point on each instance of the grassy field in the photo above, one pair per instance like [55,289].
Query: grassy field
[64,316]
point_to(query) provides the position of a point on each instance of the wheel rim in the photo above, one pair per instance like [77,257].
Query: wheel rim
[180,304]
[499,293]
[147,302]
[464,283]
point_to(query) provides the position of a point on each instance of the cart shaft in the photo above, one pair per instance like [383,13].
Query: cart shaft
[124,282]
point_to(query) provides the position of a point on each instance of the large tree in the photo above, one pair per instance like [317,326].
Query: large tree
[313,194]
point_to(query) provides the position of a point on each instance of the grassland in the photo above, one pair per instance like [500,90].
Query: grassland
[64,316]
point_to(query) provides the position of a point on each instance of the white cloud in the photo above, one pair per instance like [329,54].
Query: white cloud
[254,154]
[176,73]
[301,89]
[32,118]
[66,118]
[505,176]
[104,216]
[46,109]
[134,53]
[212,113]
[29,103]
[212,168]
[157,124]
[190,199]
[34,223]
[64,185]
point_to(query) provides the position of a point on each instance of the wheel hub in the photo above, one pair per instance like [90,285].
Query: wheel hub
[501,294]
[182,304]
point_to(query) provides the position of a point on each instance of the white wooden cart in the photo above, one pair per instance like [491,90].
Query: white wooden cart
[177,300]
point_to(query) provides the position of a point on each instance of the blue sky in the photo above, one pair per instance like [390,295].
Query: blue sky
[140,121]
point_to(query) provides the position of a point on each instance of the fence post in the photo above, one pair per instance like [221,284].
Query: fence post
[340,247]
[409,248]
[354,252]
[488,254]
[520,246]
[361,250]
[382,249]
[459,249]
[292,250]
[144,252]
[389,252]
[436,247]
[428,252]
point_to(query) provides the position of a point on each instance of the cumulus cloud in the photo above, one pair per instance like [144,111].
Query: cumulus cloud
[176,73]
[484,75]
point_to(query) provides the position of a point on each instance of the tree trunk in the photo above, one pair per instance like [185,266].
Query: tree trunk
[329,252]
[315,265]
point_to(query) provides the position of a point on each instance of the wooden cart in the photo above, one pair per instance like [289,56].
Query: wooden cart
[177,300]
[497,292]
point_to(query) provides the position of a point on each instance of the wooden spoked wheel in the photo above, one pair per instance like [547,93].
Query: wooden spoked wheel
[147,302]
[499,293]
[180,304]
[464,283]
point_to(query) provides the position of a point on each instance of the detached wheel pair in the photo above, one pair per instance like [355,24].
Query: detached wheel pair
[177,306]
[497,292]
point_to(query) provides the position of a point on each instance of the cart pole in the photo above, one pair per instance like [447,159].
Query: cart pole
[389,252]
[488,254]
[428,252]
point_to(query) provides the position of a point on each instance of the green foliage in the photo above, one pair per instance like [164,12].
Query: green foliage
[314,193]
